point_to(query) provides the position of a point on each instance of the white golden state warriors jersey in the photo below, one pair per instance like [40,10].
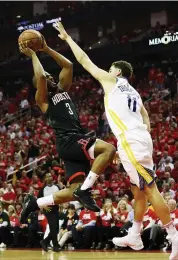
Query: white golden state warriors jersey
[123,105]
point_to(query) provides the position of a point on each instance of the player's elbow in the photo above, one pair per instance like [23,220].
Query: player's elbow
[70,65]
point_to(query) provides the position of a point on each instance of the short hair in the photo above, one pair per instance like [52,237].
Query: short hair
[71,206]
[125,67]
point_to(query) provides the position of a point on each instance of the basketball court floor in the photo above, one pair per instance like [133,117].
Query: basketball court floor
[80,255]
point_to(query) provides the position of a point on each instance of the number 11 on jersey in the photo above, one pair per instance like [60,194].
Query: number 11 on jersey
[132,104]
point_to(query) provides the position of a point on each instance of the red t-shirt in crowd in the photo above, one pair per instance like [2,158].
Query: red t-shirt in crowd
[24,180]
[106,219]
[86,216]
[14,221]
[9,196]
[122,217]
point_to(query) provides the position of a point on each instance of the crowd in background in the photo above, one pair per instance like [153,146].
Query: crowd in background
[25,138]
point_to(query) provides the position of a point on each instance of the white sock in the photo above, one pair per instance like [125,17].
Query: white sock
[170,228]
[45,201]
[89,181]
[136,227]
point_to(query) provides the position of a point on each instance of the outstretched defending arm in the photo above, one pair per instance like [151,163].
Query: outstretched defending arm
[66,74]
[102,76]
[39,78]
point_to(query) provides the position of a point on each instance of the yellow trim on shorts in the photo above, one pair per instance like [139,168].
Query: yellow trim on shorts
[140,169]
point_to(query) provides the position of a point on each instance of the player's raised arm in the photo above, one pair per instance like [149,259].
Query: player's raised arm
[66,74]
[102,76]
[39,77]
[145,117]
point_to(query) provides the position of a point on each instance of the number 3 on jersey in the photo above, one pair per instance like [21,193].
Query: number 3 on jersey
[132,104]
[69,109]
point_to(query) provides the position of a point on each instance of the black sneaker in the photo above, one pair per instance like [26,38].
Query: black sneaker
[84,197]
[43,245]
[29,206]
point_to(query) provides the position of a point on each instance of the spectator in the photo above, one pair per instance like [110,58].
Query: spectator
[24,103]
[148,221]
[167,191]
[120,218]
[70,221]
[14,225]
[164,157]
[4,189]
[32,227]
[4,228]
[84,232]
[104,231]
[2,128]
[9,197]
[167,178]
[166,163]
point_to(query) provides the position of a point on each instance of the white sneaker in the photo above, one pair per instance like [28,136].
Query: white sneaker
[174,254]
[133,241]
[2,245]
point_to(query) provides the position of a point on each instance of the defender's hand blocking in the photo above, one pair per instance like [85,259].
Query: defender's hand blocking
[59,27]
[23,47]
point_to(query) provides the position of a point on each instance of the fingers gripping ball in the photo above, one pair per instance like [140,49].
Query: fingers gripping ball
[33,38]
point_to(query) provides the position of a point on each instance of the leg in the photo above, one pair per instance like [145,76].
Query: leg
[133,239]
[145,237]
[102,153]
[78,238]
[163,213]
[4,234]
[32,232]
[158,203]
[88,236]
[59,197]
[155,232]
[53,221]
[64,238]
[140,207]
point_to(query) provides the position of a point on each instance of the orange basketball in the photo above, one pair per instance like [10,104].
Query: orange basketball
[33,38]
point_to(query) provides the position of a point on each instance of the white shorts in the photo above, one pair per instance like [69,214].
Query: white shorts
[135,149]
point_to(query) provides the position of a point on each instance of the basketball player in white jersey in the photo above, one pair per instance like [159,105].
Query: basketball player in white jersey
[130,123]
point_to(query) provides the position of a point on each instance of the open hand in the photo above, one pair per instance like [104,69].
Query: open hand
[23,47]
[62,33]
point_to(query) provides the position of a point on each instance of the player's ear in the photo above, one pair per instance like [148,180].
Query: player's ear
[119,72]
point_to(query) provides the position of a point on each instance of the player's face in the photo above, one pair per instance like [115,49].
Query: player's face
[115,72]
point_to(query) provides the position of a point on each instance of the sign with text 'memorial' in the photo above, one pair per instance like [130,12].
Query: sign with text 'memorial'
[166,39]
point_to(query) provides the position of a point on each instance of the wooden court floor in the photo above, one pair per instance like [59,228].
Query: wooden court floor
[74,255]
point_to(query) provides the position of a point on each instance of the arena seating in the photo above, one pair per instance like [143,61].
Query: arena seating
[27,151]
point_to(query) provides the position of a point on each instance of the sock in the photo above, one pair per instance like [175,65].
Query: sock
[89,181]
[170,228]
[136,227]
[45,201]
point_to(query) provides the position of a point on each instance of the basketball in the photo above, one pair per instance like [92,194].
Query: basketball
[33,38]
